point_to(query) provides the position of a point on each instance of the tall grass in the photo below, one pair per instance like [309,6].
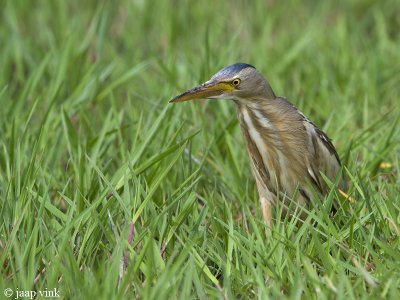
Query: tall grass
[107,191]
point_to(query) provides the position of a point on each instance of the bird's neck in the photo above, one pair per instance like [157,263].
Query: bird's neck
[271,125]
[258,121]
[269,116]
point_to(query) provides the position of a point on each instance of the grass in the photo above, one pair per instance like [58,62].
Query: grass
[90,146]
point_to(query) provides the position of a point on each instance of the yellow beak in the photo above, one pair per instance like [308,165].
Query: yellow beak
[206,90]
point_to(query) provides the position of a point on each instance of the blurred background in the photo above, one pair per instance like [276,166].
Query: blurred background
[336,61]
[84,90]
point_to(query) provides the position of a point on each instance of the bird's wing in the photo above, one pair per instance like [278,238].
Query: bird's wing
[323,156]
[327,143]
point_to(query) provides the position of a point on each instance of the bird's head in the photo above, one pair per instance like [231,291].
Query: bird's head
[241,82]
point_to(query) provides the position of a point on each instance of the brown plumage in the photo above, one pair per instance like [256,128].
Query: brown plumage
[288,152]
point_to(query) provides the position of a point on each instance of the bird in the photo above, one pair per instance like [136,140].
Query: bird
[289,154]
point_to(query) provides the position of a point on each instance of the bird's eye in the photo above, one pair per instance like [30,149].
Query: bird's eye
[236,81]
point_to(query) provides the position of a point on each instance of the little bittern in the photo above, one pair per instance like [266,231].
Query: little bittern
[289,153]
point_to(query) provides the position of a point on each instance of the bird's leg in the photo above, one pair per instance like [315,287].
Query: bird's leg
[267,211]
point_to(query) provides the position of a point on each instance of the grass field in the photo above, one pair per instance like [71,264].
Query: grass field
[98,172]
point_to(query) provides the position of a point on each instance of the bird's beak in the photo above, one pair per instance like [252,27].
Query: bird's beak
[206,90]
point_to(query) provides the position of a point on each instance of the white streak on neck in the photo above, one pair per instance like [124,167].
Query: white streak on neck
[258,140]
